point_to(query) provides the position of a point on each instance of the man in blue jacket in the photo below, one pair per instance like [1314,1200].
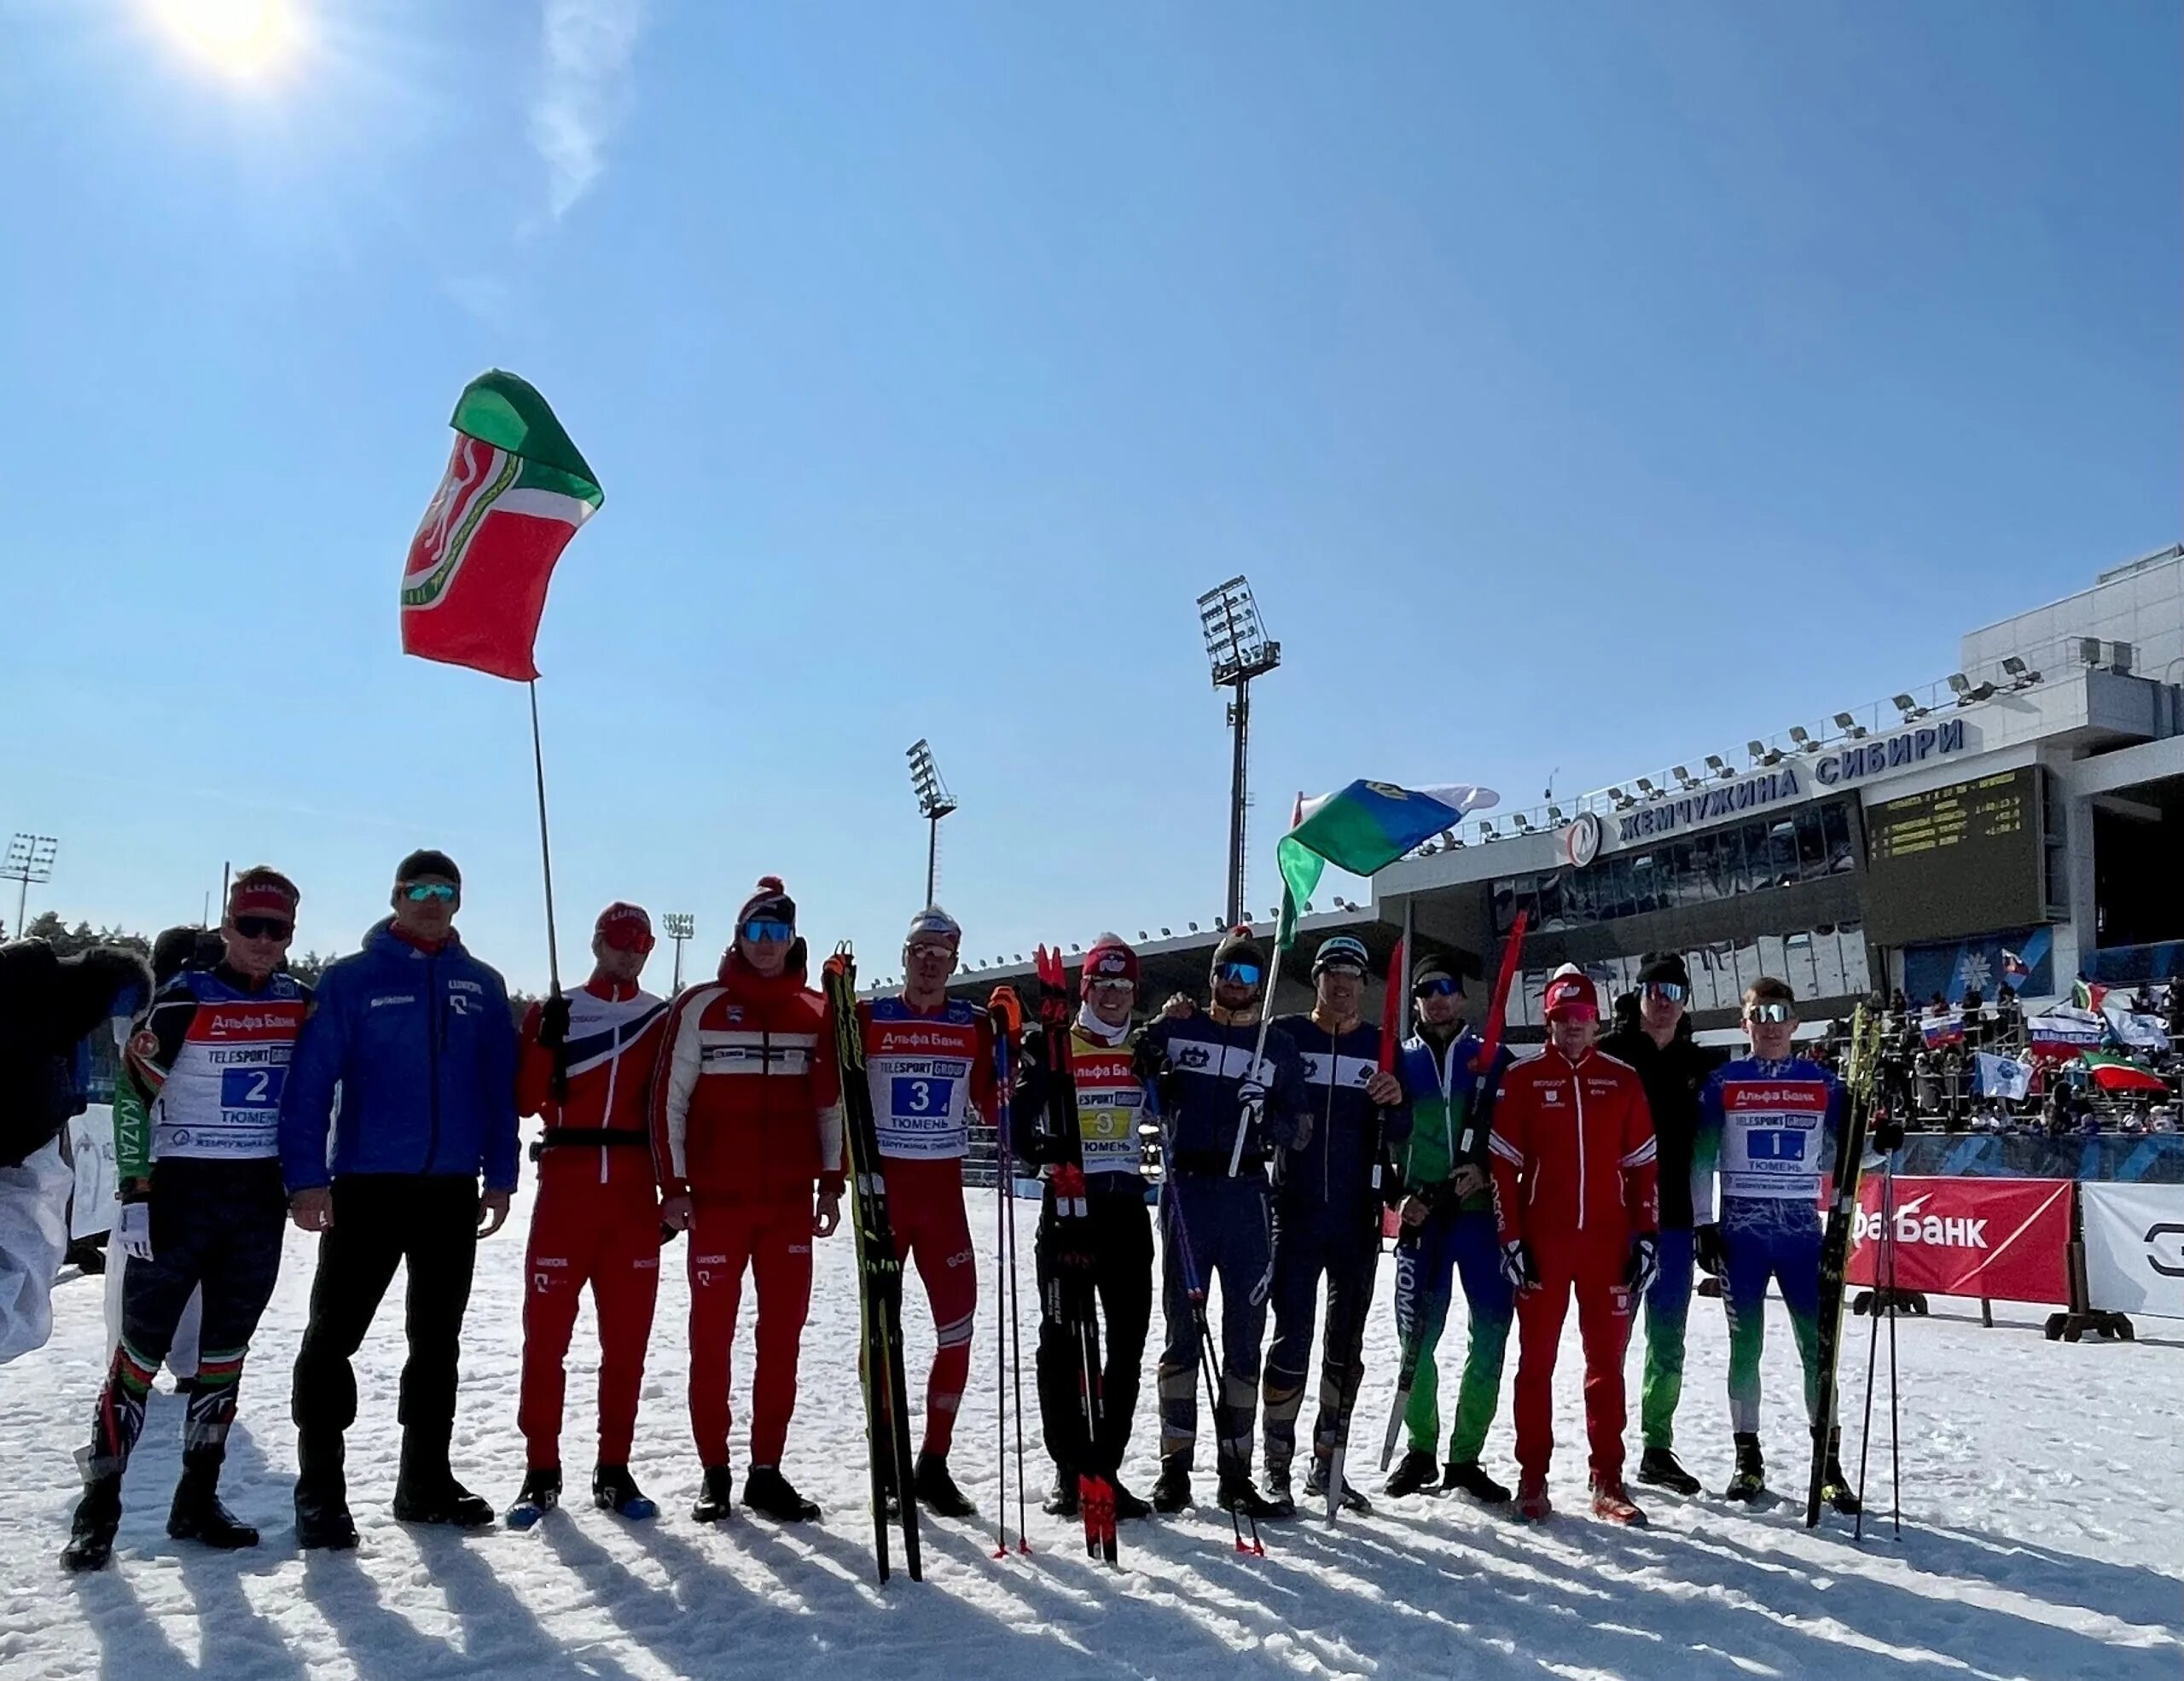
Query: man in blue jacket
[418,1037]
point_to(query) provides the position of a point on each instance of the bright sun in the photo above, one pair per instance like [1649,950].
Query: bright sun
[242,37]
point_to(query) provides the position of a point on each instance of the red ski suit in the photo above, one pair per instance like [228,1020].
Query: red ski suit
[597,1218]
[1574,1176]
[746,1120]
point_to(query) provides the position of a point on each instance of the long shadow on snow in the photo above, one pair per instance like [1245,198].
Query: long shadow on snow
[2131,1593]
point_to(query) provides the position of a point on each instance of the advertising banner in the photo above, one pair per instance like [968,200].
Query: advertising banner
[2006,1239]
[2134,1249]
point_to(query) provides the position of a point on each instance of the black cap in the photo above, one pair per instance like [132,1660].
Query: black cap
[1665,966]
[1431,968]
[427,861]
[1238,947]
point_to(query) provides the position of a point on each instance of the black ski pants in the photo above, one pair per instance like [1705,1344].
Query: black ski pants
[1122,1278]
[380,1221]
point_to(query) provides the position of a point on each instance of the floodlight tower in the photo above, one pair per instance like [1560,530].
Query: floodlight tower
[680,926]
[30,859]
[1237,647]
[934,802]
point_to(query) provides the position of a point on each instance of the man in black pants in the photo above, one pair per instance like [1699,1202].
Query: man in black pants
[418,1037]
[196,1115]
[1110,1105]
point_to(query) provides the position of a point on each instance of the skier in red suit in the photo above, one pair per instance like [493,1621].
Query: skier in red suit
[584,1066]
[1574,1200]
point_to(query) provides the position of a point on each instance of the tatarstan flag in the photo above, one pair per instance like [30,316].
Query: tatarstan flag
[516,492]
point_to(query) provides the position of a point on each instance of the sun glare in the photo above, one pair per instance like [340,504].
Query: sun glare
[241,36]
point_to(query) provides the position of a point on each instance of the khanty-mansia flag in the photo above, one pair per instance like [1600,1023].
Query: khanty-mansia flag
[1363,828]
[516,492]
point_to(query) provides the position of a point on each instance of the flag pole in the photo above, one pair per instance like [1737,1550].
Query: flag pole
[545,852]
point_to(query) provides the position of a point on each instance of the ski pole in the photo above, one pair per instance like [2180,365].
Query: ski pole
[1005,1011]
[1016,1366]
[1001,1271]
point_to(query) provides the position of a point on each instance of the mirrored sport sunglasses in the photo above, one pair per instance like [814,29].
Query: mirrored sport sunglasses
[765,931]
[264,927]
[1774,1010]
[1244,974]
[1110,985]
[419,893]
[1668,991]
[628,936]
[1440,987]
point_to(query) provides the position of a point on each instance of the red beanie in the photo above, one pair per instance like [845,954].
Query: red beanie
[1570,991]
[771,902]
[1109,959]
[626,927]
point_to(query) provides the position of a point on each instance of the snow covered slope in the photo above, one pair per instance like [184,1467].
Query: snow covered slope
[2044,1489]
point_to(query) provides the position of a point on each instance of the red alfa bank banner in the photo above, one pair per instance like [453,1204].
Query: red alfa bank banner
[2006,1239]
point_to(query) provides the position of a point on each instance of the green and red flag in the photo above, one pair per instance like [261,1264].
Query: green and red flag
[2111,1072]
[516,492]
[1363,828]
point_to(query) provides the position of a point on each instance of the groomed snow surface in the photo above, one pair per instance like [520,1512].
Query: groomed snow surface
[2043,1493]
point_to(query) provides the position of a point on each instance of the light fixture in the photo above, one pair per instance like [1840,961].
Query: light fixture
[1849,726]
[934,802]
[1165,934]
[1646,787]
[1554,815]
[1238,650]
[1486,830]
[1911,711]
[1719,766]
[1806,743]
[2020,675]
[1194,930]
[29,863]
[1523,824]
[1974,695]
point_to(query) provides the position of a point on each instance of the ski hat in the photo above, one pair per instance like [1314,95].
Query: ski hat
[936,922]
[427,861]
[1345,951]
[1570,993]
[1433,967]
[769,902]
[1111,958]
[625,926]
[1665,966]
[1239,946]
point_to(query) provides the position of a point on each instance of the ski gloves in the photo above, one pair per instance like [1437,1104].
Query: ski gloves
[1517,1265]
[133,1232]
[1708,1250]
[1645,1263]
[554,1021]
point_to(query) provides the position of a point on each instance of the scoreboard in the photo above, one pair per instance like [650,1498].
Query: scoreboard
[1957,860]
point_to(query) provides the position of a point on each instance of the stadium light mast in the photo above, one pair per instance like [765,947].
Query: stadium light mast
[1237,648]
[680,926]
[29,860]
[934,802]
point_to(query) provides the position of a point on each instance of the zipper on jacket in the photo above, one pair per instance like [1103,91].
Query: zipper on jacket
[606,1115]
[1577,1089]
[435,1025]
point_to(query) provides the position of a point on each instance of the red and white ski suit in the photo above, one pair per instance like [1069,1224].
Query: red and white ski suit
[747,1119]
[1574,1176]
[597,1218]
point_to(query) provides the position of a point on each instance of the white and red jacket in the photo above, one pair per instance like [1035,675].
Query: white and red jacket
[614,1034]
[746,1098]
[1573,1152]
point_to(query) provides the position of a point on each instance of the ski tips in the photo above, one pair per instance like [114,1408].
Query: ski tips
[1046,961]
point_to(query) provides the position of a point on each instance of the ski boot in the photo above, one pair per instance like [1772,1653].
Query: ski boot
[90,1536]
[1465,1477]
[436,1498]
[322,1519]
[614,1490]
[1315,1488]
[1532,1503]
[1612,1505]
[1658,1469]
[718,1498]
[1750,1482]
[197,1513]
[1278,1504]
[1061,1498]
[540,1494]
[768,1494]
[1171,1492]
[1415,1472]
[1834,1487]
[936,1490]
[1128,1506]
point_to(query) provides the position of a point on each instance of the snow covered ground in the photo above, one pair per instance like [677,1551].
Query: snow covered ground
[2044,1493]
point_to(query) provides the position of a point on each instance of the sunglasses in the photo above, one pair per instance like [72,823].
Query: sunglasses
[422,892]
[1668,991]
[627,937]
[1110,988]
[765,931]
[1439,987]
[1773,1011]
[264,927]
[1244,974]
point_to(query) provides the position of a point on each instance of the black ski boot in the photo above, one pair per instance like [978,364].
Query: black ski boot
[1658,1469]
[718,1498]
[426,1491]
[1415,1472]
[1061,1498]
[1171,1491]
[1128,1506]
[1750,1482]
[771,1494]
[1464,1476]
[540,1493]
[98,1515]
[197,1513]
[1834,1487]
[936,1490]
[1316,1489]
[322,1519]
[1235,1494]
[614,1490]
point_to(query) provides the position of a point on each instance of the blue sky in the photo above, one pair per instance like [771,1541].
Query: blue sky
[1582,386]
